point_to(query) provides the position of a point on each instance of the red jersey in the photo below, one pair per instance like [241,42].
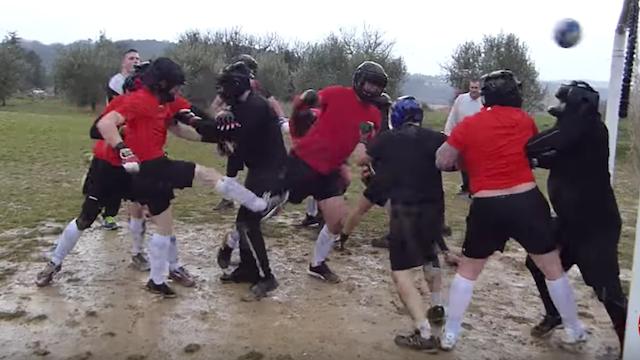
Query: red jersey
[336,132]
[147,123]
[492,146]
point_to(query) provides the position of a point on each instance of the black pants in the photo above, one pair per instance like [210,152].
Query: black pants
[465,181]
[112,206]
[254,261]
[595,254]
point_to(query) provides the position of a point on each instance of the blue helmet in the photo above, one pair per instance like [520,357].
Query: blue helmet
[406,109]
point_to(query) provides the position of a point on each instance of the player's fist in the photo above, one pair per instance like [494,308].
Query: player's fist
[130,161]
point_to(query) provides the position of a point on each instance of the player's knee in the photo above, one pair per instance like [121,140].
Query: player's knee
[89,213]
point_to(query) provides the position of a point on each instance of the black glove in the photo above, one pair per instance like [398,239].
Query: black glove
[187,116]
[226,121]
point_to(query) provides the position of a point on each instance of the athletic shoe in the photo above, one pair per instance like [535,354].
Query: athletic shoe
[239,276]
[261,289]
[224,204]
[110,223]
[574,336]
[310,220]
[45,276]
[416,342]
[140,262]
[182,277]
[546,326]
[448,341]
[274,203]
[224,255]
[436,315]
[162,289]
[382,242]
[323,272]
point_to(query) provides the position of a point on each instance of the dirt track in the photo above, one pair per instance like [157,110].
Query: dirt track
[97,308]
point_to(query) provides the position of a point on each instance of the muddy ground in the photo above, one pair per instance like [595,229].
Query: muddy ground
[97,307]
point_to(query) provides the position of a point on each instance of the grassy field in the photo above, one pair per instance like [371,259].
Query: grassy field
[46,147]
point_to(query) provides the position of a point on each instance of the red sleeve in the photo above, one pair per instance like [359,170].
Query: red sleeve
[178,104]
[458,135]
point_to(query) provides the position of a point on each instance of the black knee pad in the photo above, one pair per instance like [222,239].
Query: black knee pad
[90,210]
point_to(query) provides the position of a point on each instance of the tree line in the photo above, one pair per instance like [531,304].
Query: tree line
[81,70]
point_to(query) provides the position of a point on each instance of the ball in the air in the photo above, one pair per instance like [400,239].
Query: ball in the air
[567,33]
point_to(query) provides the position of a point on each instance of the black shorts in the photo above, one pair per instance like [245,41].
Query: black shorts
[525,217]
[592,247]
[153,185]
[303,181]
[414,232]
[105,182]
[376,191]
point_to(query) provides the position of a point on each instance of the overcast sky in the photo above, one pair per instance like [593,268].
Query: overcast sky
[425,32]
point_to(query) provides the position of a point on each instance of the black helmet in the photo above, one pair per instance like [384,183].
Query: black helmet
[371,72]
[163,75]
[573,95]
[233,81]
[132,82]
[250,61]
[501,87]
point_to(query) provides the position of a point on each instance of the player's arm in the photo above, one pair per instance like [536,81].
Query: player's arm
[452,118]
[185,132]
[108,127]
[447,157]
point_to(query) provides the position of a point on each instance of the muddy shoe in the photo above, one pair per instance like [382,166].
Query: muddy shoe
[382,242]
[110,223]
[546,326]
[238,276]
[162,289]
[310,220]
[275,202]
[224,204]
[416,342]
[436,315]
[224,255]
[323,272]
[140,262]
[261,289]
[45,276]
[448,341]
[182,277]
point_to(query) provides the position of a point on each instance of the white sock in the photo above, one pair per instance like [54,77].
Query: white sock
[235,178]
[425,329]
[436,298]
[312,207]
[136,227]
[173,254]
[563,298]
[233,239]
[232,190]
[66,241]
[324,244]
[158,258]
[460,293]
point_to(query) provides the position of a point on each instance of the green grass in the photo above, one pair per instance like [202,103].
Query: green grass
[44,157]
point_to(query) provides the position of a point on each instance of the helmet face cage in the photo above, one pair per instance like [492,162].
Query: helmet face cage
[370,72]
[405,110]
[577,92]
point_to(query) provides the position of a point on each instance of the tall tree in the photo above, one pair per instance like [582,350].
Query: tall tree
[13,66]
[503,51]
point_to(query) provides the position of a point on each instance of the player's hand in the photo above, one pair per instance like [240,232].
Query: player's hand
[186,116]
[130,161]
[225,121]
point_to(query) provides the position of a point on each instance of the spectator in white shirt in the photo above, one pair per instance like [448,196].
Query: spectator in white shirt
[465,105]
[129,59]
